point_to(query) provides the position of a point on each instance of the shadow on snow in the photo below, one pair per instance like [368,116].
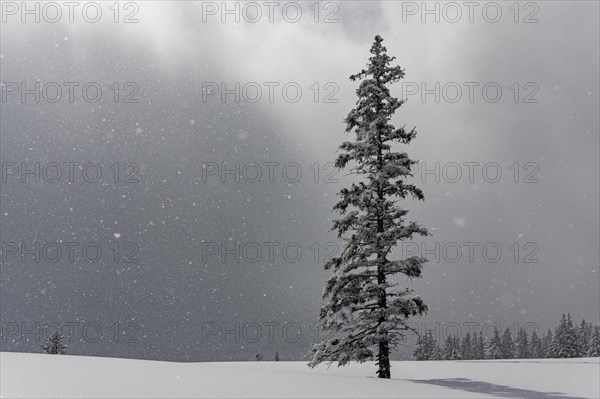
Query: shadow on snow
[502,391]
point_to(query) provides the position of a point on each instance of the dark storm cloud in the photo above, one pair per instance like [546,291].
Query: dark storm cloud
[187,298]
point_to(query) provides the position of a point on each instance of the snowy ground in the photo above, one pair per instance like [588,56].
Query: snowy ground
[57,376]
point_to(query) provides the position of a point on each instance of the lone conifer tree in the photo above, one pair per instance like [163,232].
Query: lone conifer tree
[54,344]
[364,308]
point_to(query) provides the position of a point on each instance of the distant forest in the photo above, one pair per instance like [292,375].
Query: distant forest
[568,340]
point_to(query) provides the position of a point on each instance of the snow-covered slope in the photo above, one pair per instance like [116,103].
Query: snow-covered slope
[56,376]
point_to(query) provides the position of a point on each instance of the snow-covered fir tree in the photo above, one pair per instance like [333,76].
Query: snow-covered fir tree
[522,345]
[546,347]
[594,343]
[54,344]
[557,339]
[535,346]
[564,342]
[448,348]
[507,348]
[457,354]
[437,351]
[426,347]
[421,352]
[466,348]
[495,349]
[451,349]
[572,339]
[364,306]
[583,334]
[479,348]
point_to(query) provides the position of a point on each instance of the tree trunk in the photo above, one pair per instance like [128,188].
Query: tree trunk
[383,360]
[383,355]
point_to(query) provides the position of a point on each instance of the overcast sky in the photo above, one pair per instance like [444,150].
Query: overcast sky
[175,210]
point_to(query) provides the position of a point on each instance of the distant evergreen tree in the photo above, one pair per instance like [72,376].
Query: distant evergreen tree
[437,352]
[54,345]
[565,340]
[522,351]
[456,354]
[546,347]
[594,343]
[495,349]
[451,349]
[571,339]
[507,348]
[420,352]
[466,347]
[479,347]
[535,346]
[426,347]
[557,338]
[430,344]
[448,348]
[584,333]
